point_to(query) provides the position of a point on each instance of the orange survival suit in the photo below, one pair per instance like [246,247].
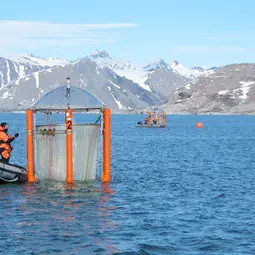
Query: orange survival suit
[5,147]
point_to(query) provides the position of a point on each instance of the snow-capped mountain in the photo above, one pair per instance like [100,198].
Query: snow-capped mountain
[16,67]
[34,60]
[118,83]
[198,68]
[139,75]
[228,89]
[14,71]
[103,59]
[190,73]
[158,64]
[120,66]
[114,91]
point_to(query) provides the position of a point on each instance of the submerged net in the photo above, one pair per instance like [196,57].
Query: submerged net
[51,151]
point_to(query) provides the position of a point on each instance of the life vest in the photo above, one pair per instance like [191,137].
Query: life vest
[5,154]
[3,136]
[5,148]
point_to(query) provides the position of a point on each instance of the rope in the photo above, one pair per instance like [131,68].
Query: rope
[18,162]
[14,180]
[22,130]
[100,154]
[13,144]
[50,155]
[44,119]
[98,119]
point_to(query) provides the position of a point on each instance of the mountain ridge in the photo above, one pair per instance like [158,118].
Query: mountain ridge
[229,89]
[124,86]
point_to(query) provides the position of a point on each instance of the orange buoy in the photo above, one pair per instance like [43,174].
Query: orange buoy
[199,125]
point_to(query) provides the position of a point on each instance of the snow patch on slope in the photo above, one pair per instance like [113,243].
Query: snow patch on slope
[115,85]
[37,81]
[243,90]
[223,92]
[5,95]
[22,71]
[17,82]
[8,72]
[245,87]
[187,86]
[138,76]
[118,103]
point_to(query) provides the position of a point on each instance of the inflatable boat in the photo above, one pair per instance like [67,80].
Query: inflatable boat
[156,119]
[12,173]
[140,124]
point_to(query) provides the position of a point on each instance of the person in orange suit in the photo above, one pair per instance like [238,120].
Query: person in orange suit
[5,142]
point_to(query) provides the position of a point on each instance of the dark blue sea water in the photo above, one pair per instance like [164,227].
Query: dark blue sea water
[178,190]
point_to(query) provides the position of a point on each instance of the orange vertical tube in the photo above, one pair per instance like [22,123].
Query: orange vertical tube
[69,146]
[106,175]
[30,147]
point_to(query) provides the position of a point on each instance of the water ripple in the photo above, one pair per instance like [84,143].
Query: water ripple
[174,191]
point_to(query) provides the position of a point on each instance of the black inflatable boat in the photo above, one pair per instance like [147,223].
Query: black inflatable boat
[140,124]
[12,173]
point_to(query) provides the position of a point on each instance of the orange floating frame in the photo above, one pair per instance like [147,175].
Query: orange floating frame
[106,171]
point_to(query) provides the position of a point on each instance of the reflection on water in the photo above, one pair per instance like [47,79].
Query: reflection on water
[105,209]
[52,216]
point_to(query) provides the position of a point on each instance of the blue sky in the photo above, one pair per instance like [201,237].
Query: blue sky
[195,32]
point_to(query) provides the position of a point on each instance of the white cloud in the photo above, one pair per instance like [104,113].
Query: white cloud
[210,49]
[229,37]
[33,35]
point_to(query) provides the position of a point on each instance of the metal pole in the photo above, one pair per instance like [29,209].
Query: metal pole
[68,92]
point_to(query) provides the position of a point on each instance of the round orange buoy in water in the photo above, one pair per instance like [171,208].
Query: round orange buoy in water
[199,125]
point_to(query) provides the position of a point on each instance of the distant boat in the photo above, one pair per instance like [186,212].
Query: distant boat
[155,119]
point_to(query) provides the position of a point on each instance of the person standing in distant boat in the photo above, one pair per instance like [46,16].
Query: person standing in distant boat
[5,142]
